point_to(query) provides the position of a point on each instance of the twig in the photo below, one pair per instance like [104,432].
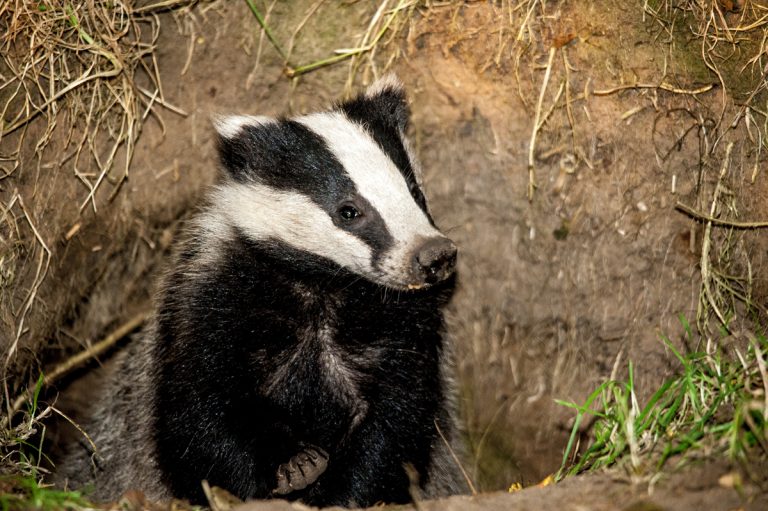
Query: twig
[456,459]
[94,351]
[703,217]
[40,273]
[77,427]
[537,125]
[524,24]
[413,485]
[662,86]
[568,109]
[162,102]
[161,6]
[763,372]
[707,240]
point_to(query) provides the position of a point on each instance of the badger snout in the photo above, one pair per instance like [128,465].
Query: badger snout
[434,260]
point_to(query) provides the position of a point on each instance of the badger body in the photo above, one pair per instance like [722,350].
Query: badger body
[297,349]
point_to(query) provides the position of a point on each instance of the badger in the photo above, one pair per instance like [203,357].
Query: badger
[298,346]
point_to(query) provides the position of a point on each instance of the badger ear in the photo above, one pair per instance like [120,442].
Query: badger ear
[386,97]
[235,142]
[232,126]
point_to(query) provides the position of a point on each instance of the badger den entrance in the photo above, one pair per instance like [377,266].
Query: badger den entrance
[601,169]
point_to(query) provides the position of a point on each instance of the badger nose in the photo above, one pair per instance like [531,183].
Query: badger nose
[435,260]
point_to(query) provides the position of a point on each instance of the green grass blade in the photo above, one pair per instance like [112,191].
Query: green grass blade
[260,19]
[577,423]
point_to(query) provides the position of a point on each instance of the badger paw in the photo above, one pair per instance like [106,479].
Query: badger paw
[301,470]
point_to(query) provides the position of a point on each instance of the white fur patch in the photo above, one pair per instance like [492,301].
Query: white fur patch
[377,179]
[292,218]
[389,81]
[340,374]
[212,227]
[230,126]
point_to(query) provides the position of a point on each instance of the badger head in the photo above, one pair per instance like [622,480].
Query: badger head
[341,184]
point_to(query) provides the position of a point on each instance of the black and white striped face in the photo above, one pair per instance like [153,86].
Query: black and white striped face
[341,184]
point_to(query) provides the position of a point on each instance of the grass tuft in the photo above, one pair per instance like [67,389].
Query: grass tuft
[715,405]
[21,447]
[26,492]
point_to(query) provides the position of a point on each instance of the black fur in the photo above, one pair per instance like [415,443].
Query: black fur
[286,156]
[222,339]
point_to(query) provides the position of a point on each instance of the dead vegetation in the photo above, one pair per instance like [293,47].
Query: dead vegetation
[77,81]
[372,55]
[709,48]
[732,40]
[74,68]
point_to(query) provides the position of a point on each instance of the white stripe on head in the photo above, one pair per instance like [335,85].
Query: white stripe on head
[231,125]
[264,213]
[390,82]
[380,182]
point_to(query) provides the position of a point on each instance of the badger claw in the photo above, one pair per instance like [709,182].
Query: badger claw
[301,470]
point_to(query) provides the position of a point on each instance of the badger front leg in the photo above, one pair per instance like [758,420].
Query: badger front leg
[301,470]
[371,467]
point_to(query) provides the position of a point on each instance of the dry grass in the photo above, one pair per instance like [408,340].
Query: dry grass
[384,26]
[77,81]
[77,66]
[726,30]
[69,69]
[83,72]
[731,38]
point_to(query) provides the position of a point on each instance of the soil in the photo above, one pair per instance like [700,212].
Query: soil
[708,486]
[594,493]
[556,293]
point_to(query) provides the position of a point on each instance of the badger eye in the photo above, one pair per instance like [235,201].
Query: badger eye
[349,212]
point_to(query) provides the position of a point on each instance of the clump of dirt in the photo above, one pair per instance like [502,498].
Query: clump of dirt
[559,288]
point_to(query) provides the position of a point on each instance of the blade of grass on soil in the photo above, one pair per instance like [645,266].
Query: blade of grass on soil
[714,404]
